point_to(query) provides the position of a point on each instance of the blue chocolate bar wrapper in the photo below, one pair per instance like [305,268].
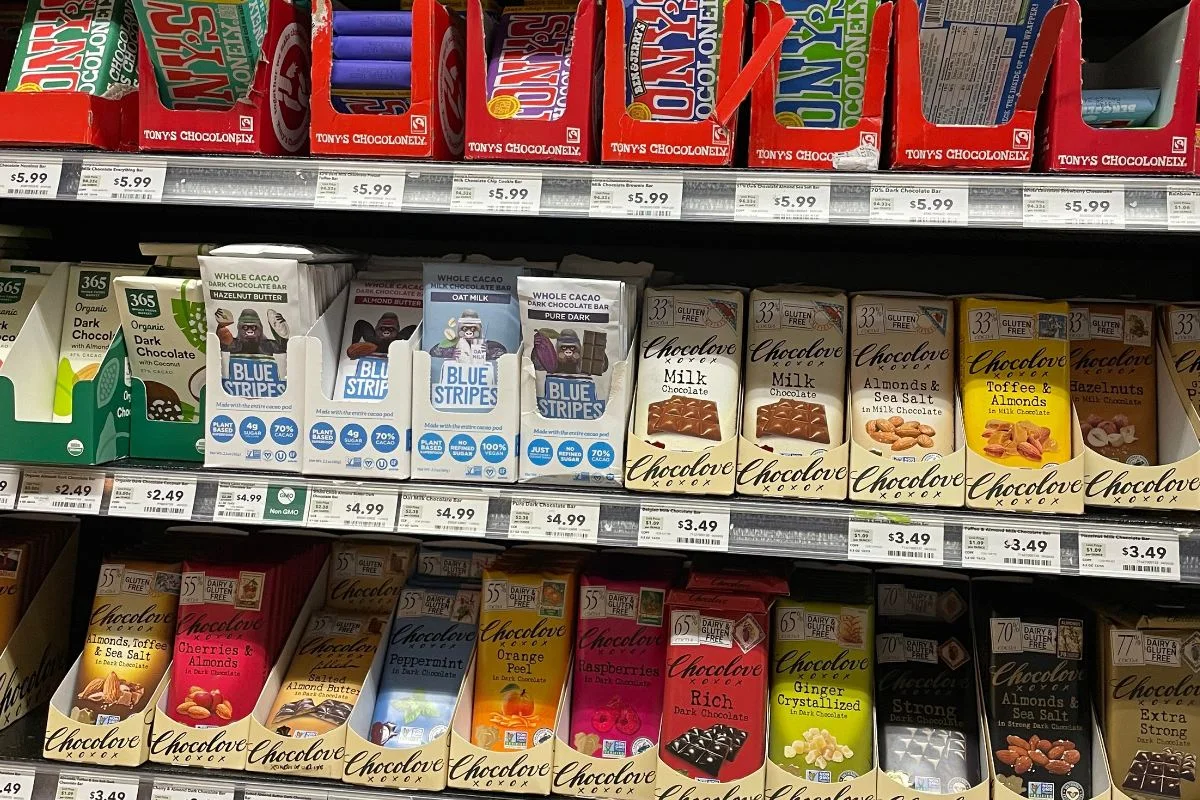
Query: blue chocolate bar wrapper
[372,48]
[672,49]
[1119,108]
[371,75]
[370,101]
[372,23]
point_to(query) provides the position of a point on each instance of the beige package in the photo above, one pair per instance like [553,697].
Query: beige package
[902,376]
[1183,338]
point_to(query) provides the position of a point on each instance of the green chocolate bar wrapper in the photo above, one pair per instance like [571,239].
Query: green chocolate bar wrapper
[69,46]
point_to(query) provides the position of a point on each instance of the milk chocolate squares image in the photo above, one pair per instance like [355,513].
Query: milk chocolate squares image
[795,419]
[707,750]
[684,415]
[1160,773]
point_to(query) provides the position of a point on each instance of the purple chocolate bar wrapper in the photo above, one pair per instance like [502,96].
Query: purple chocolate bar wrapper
[371,75]
[372,23]
[370,101]
[372,48]
[530,64]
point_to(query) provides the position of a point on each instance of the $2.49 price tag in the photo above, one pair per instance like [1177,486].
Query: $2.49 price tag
[577,523]
[337,188]
[161,497]
[895,542]
[356,509]
[691,529]
[62,491]
[438,513]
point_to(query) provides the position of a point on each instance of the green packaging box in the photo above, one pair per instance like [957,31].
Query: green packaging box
[71,46]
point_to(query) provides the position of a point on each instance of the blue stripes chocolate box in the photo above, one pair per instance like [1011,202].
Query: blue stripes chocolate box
[672,48]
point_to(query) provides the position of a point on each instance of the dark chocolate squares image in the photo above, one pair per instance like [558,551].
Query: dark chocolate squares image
[708,750]
[931,759]
[1160,773]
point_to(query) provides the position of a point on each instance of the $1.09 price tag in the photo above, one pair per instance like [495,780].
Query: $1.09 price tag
[781,202]
[79,787]
[894,542]
[438,513]
[995,547]
[30,179]
[945,203]
[142,182]
[1129,556]
[338,188]
[64,490]
[160,497]
[368,510]
[496,193]
[578,523]
[659,526]
[193,790]
[622,198]
[1050,207]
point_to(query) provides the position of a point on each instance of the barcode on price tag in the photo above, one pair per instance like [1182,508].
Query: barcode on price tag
[489,193]
[1123,555]
[10,482]
[354,509]
[86,787]
[1183,208]
[142,182]
[16,784]
[625,198]
[191,790]
[659,526]
[944,203]
[576,523]
[239,501]
[30,179]
[1077,207]
[78,491]
[339,188]
[440,513]
[896,542]
[777,201]
[997,547]
[161,497]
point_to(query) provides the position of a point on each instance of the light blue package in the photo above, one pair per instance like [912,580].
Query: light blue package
[1119,108]
[432,638]
[974,57]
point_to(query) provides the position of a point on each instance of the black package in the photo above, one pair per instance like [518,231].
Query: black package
[925,682]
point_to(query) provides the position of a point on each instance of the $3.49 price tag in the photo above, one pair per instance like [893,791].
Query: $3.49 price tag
[1124,555]
[338,188]
[142,182]
[160,497]
[62,491]
[191,790]
[895,542]
[757,200]
[1092,207]
[358,509]
[16,784]
[577,523]
[995,547]
[80,787]
[496,193]
[439,513]
[691,529]
[623,198]
[30,179]
[943,203]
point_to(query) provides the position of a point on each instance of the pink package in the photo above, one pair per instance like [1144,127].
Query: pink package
[620,656]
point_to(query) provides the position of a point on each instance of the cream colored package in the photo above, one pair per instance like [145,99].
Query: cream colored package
[18,292]
[90,322]
[1182,325]
[902,376]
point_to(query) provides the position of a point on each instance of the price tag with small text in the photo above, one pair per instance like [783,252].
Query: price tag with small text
[1125,555]
[996,547]
[896,542]
[944,203]
[61,490]
[339,188]
[577,523]
[161,497]
[358,509]
[81,787]
[659,526]
[16,784]
[440,513]
[623,198]
[190,790]
[290,794]
[142,182]
[496,193]
[240,502]
[1183,208]
[1050,207]
[10,482]
[30,179]
[771,201]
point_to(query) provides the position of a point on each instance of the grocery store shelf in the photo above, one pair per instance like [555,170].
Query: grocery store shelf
[795,529]
[975,200]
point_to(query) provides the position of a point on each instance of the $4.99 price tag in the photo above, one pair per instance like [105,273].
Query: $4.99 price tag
[160,497]
[30,179]
[496,193]
[62,491]
[142,182]
[439,513]
[944,203]
[577,523]
[659,526]
[1050,207]
[338,188]
[80,787]
[622,198]
[240,502]
[362,509]
[995,547]
[757,200]
[1129,556]
[894,542]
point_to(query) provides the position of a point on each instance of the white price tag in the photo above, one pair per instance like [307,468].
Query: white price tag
[896,542]
[756,200]
[626,198]
[30,179]
[190,790]
[10,482]
[1124,555]
[241,502]
[161,497]
[996,547]
[337,188]
[576,523]
[16,784]
[496,193]
[1183,209]
[81,787]
[356,509]
[659,526]
[290,794]
[1050,207]
[443,513]
[945,203]
[61,490]
[142,182]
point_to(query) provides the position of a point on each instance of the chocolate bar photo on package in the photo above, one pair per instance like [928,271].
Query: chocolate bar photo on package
[530,64]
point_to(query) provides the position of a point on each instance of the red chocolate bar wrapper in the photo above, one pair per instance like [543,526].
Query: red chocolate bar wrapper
[529,65]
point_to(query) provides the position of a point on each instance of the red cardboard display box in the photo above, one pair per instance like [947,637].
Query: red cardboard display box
[433,125]
[918,143]
[776,146]
[271,120]
[1168,56]
[69,119]
[570,138]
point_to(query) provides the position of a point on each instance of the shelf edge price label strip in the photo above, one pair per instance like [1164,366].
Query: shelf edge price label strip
[547,521]
[158,497]
[16,784]
[190,790]
[259,501]
[781,201]
[425,512]
[658,197]
[142,182]
[353,508]
[1183,208]
[28,179]
[1048,206]
[496,193]
[896,541]
[10,482]
[944,203]
[1152,557]
[342,188]
[1002,547]
[60,491]
[691,529]
[87,787]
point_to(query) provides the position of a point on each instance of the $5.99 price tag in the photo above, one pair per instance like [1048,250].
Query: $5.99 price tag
[659,526]
[944,203]
[623,198]
[362,509]
[895,542]
[756,200]
[30,179]
[79,787]
[1050,207]
[1129,556]
[577,523]
[439,513]
[141,182]
[160,497]
[496,193]
[62,491]
[338,188]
